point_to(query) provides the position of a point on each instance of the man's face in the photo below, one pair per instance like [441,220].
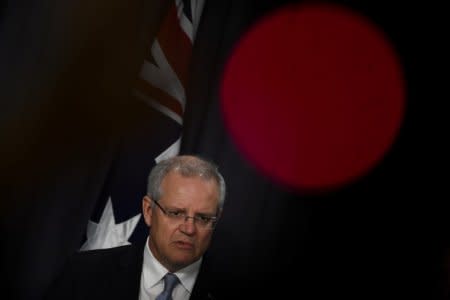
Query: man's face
[177,244]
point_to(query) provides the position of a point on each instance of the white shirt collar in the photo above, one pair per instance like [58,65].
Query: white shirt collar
[153,271]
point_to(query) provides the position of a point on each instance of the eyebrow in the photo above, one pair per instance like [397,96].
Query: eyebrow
[201,213]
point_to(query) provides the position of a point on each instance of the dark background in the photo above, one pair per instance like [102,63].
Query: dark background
[64,114]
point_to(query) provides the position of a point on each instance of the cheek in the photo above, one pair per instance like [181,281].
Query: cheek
[162,232]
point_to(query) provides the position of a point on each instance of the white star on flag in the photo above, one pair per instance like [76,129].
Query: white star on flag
[108,234]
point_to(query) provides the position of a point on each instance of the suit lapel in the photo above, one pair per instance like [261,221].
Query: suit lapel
[124,280]
[203,284]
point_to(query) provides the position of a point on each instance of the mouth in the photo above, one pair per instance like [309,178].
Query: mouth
[184,245]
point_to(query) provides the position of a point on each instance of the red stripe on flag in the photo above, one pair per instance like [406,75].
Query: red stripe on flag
[159,96]
[176,45]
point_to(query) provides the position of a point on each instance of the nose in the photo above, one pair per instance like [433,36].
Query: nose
[188,225]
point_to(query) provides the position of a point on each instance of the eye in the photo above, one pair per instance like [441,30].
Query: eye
[204,219]
[175,213]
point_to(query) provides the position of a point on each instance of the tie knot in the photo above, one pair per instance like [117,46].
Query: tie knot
[170,281]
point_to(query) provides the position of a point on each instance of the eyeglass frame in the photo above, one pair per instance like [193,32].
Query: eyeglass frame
[211,221]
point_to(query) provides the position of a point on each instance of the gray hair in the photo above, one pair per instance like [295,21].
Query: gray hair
[187,166]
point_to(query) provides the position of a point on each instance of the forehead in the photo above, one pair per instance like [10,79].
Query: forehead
[194,188]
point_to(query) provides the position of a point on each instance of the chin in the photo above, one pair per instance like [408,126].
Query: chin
[182,260]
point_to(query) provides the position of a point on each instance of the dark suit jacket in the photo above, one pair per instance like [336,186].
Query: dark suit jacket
[112,274]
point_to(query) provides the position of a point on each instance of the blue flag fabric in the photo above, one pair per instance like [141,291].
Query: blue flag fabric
[126,184]
[160,91]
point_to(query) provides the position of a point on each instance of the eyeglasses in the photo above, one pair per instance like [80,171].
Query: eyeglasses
[202,221]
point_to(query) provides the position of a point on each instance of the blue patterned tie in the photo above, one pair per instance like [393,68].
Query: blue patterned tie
[170,281]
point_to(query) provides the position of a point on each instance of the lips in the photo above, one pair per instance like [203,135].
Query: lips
[184,245]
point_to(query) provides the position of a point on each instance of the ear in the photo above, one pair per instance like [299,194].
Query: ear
[147,210]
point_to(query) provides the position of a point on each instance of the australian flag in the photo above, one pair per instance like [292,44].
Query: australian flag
[160,93]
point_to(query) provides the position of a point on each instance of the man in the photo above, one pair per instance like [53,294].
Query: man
[183,204]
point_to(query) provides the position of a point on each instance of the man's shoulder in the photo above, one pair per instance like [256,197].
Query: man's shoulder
[88,254]
[86,274]
[121,254]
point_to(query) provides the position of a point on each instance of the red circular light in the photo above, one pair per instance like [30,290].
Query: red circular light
[313,96]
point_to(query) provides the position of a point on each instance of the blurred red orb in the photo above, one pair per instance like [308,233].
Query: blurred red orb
[313,96]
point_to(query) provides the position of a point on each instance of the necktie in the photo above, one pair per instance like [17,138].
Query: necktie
[170,281]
